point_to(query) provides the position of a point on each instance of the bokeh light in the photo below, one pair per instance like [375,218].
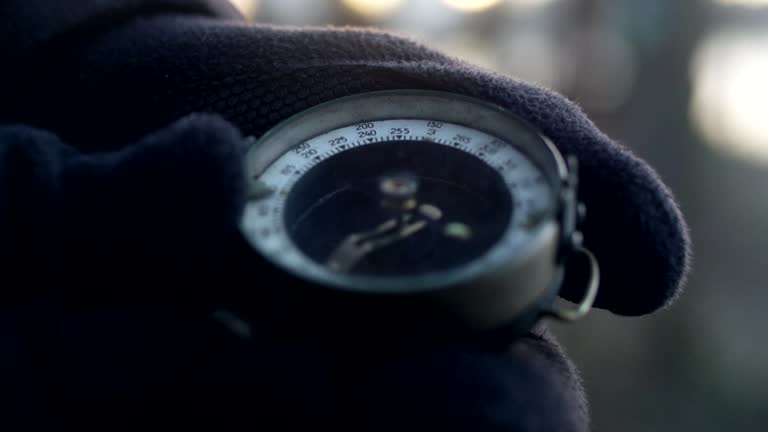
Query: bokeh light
[299,12]
[249,8]
[528,4]
[472,5]
[372,8]
[533,56]
[608,71]
[730,90]
[748,3]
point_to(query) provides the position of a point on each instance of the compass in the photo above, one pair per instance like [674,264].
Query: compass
[418,210]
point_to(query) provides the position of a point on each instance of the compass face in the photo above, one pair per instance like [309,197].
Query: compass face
[393,202]
[452,207]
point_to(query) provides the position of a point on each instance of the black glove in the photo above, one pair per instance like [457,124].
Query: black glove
[111,78]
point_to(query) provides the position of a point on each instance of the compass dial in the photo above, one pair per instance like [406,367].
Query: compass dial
[396,198]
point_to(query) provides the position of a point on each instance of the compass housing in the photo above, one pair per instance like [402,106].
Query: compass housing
[302,167]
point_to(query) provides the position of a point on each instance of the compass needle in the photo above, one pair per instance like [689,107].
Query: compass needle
[355,246]
[431,211]
[412,229]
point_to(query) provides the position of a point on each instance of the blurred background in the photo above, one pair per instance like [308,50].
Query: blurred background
[684,84]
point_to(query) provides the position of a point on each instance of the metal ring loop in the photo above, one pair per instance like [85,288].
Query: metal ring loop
[573,314]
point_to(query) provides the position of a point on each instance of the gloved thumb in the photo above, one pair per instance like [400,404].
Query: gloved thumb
[174,196]
[171,193]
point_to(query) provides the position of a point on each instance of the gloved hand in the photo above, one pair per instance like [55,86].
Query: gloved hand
[104,316]
[131,69]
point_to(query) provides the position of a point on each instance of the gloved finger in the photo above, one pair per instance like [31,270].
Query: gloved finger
[129,365]
[530,387]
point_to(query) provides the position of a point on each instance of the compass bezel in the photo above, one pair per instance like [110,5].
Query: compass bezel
[482,294]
